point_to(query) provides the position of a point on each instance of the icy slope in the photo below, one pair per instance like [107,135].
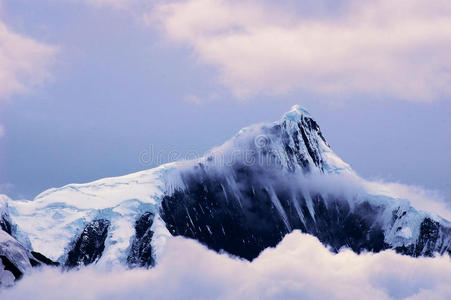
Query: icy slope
[5,220]
[303,141]
[242,197]
[15,259]
[55,217]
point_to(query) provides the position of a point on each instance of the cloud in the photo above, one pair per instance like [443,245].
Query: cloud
[378,47]
[134,7]
[24,63]
[117,4]
[193,99]
[2,131]
[350,184]
[300,267]
[422,199]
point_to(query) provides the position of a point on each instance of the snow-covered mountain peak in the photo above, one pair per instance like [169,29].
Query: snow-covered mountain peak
[305,145]
[296,113]
[242,197]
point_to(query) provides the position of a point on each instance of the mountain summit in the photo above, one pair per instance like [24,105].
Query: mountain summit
[242,197]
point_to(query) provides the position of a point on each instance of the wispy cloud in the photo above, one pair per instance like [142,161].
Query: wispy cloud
[118,4]
[193,99]
[24,63]
[135,8]
[299,267]
[381,47]
[421,198]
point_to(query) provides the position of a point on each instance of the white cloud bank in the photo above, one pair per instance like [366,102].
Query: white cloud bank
[24,63]
[398,48]
[299,268]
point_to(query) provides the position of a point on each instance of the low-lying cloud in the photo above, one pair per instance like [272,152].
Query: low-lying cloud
[395,48]
[300,267]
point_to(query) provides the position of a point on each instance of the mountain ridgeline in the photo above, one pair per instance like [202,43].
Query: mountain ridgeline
[241,198]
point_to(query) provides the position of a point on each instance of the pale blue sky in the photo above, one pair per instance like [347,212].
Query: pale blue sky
[119,85]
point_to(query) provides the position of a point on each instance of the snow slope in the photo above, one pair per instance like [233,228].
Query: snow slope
[52,220]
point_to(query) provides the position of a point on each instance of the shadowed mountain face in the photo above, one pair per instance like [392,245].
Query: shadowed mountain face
[433,238]
[5,224]
[141,249]
[245,220]
[89,245]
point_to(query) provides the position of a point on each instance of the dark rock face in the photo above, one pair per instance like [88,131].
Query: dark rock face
[434,238]
[306,135]
[337,226]
[41,259]
[247,215]
[141,249]
[5,224]
[89,246]
[9,266]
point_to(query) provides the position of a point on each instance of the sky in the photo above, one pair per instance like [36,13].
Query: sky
[87,87]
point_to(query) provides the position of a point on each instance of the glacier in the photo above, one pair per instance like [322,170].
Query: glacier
[52,220]
[241,198]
